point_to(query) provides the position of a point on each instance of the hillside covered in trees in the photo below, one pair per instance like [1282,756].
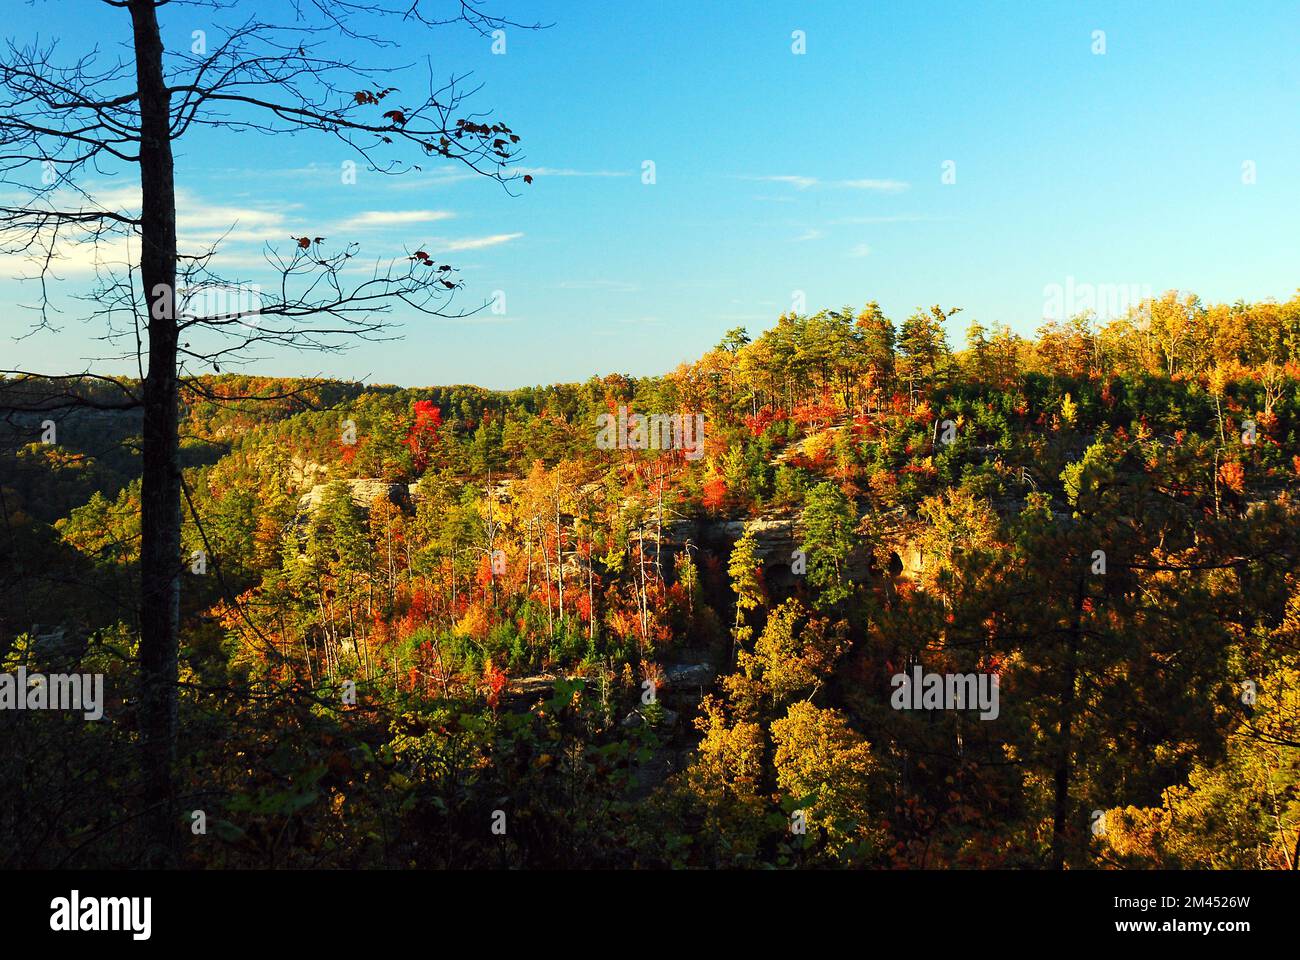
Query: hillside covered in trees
[450,627]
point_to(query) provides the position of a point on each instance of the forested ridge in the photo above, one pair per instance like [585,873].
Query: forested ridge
[512,646]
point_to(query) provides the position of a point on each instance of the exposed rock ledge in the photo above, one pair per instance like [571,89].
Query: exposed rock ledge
[676,676]
[364,492]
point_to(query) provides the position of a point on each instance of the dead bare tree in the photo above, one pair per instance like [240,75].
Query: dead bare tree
[64,121]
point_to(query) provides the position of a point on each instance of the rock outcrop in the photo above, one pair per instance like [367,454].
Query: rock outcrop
[306,473]
[776,534]
[363,492]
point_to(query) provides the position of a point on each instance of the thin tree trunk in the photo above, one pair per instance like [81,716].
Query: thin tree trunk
[659,525]
[559,555]
[591,580]
[528,548]
[546,571]
[160,496]
[638,585]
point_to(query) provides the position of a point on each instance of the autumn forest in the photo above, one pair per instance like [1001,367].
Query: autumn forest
[448,627]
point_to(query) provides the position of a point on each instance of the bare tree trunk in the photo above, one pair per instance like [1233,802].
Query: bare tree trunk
[160,498]
[659,525]
[392,565]
[528,583]
[642,598]
[546,566]
[591,577]
[559,554]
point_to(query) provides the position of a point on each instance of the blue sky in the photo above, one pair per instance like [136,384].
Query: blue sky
[778,173]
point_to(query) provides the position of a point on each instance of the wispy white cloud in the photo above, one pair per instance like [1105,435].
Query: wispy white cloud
[194,214]
[307,172]
[250,260]
[240,234]
[568,172]
[373,219]
[200,226]
[73,258]
[812,233]
[801,183]
[422,179]
[200,222]
[860,250]
[120,198]
[443,176]
[478,243]
[804,183]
